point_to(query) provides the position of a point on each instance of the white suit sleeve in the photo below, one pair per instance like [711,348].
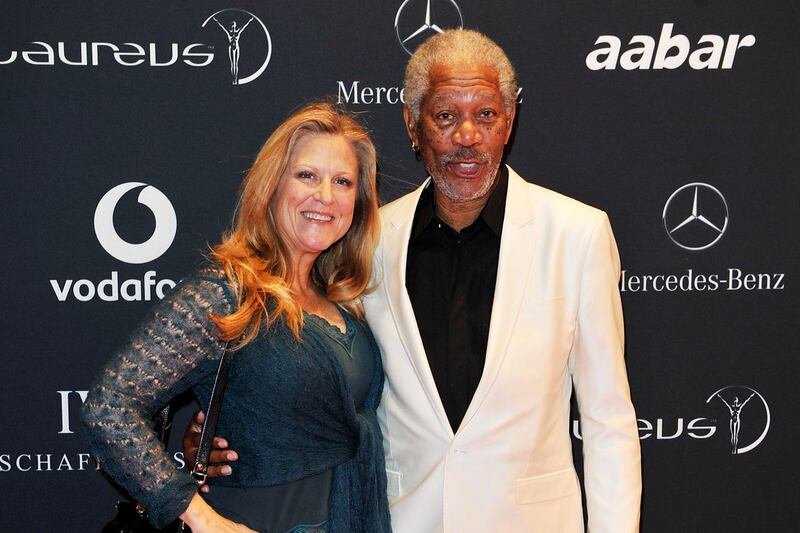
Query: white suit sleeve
[612,462]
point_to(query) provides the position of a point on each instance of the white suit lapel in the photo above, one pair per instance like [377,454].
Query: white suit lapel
[396,234]
[517,250]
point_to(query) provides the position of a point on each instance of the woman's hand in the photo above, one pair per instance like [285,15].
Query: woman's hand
[203,519]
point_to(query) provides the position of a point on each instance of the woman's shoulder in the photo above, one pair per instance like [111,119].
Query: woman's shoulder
[207,283]
[210,271]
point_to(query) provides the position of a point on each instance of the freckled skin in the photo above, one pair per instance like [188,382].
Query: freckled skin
[462,131]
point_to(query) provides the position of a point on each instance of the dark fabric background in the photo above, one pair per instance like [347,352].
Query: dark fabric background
[621,140]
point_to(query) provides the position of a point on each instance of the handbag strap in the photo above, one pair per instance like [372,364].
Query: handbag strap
[200,469]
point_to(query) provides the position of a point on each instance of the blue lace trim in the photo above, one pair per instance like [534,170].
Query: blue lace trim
[317,528]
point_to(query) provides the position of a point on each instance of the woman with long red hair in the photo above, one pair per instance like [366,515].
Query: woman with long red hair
[282,292]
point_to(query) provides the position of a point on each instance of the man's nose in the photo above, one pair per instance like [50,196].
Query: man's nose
[467,133]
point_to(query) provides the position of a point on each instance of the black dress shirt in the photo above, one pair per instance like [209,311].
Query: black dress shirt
[450,277]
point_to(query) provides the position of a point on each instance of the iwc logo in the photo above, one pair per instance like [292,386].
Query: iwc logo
[416,20]
[235,23]
[746,428]
[695,216]
[136,253]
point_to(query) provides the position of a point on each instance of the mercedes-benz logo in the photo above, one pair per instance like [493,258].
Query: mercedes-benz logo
[439,15]
[695,216]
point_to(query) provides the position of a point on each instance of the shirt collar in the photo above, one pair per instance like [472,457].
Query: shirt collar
[492,213]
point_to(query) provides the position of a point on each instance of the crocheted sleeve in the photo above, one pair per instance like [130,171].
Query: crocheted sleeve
[171,350]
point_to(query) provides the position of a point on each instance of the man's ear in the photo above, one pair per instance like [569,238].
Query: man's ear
[411,125]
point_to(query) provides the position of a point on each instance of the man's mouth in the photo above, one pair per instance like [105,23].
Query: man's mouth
[466,163]
[466,169]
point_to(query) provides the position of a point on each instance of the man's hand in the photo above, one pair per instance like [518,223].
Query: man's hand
[219,450]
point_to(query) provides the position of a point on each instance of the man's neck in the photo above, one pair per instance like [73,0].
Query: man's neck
[459,215]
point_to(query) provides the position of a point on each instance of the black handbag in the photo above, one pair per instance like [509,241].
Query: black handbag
[131,516]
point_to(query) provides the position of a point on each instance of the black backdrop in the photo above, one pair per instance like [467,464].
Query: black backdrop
[709,291]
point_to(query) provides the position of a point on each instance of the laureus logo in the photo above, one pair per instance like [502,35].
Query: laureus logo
[246,51]
[243,31]
[748,427]
[136,253]
[416,20]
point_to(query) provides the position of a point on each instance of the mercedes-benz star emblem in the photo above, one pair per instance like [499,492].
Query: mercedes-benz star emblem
[439,15]
[695,216]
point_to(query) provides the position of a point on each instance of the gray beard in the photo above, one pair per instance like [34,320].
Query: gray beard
[455,196]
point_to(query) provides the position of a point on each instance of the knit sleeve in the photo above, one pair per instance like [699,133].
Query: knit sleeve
[171,350]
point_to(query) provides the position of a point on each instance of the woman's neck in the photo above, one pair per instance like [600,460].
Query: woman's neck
[306,292]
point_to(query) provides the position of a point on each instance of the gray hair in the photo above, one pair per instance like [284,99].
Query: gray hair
[449,48]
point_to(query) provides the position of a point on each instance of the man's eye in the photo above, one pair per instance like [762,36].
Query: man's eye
[444,116]
[488,113]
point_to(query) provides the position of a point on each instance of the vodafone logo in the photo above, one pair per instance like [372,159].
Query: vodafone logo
[114,288]
[136,253]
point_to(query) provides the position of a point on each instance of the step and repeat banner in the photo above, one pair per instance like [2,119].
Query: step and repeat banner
[126,127]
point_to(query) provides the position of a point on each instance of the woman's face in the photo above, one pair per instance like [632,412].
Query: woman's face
[314,202]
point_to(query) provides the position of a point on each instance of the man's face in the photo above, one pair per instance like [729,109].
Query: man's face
[462,129]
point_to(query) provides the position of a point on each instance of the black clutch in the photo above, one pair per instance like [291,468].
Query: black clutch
[132,518]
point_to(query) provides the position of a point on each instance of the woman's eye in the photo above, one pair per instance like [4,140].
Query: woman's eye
[345,182]
[305,175]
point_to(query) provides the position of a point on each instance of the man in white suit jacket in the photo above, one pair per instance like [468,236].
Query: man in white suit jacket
[556,323]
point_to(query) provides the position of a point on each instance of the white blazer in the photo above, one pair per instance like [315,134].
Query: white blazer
[556,322]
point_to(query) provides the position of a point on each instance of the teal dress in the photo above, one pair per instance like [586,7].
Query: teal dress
[302,506]
[300,414]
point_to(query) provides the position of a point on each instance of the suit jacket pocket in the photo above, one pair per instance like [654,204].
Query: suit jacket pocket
[547,486]
[393,483]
